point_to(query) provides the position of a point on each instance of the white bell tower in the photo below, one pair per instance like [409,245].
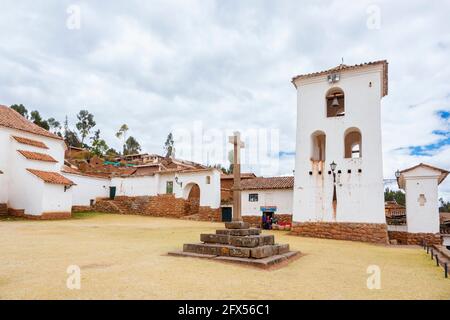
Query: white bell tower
[338,165]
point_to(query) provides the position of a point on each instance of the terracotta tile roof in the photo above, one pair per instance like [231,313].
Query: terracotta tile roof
[243,176]
[51,177]
[444,173]
[30,142]
[69,170]
[344,67]
[268,183]
[12,119]
[37,156]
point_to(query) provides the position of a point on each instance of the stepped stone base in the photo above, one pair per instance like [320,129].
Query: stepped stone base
[239,244]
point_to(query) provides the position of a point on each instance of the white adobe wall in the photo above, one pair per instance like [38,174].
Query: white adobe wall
[359,195]
[24,190]
[422,218]
[135,186]
[87,188]
[56,199]
[282,199]
[209,193]
[4,164]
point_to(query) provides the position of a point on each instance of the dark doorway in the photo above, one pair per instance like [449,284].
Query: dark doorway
[226,214]
[267,220]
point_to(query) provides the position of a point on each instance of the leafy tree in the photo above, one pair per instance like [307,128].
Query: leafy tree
[111,153]
[131,146]
[55,126]
[169,146]
[36,118]
[398,196]
[20,108]
[122,133]
[444,206]
[70,136]
[85,124]
[99,146]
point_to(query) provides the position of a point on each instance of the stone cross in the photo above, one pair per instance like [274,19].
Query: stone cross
[237,144]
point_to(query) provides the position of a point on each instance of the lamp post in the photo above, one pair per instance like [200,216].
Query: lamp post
[333,166]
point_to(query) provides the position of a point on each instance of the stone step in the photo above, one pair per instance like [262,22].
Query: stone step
[239,232]
[233,251]
[265,263]
[237,225]
[238,241]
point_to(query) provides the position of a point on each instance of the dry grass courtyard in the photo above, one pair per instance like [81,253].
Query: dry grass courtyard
[125,257]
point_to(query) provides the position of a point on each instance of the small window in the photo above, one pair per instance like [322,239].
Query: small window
[169,187]
[253,197]
[208,179]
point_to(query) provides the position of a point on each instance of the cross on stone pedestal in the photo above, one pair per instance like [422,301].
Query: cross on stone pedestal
[237,145]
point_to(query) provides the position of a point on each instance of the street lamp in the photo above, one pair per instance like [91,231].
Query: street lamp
[333,166]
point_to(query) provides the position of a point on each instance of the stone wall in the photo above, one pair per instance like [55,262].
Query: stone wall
[365,232]
[255,221]
[415,238]
[164,205]
[43,216]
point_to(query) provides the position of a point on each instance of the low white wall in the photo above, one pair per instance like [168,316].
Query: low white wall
[135,186]
[422,218]
[55,199]
[87,188]
[282,199]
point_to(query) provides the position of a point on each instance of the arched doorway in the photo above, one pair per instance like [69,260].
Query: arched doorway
[191,194]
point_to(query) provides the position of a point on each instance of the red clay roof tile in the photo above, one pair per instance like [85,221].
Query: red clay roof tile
[37,156]
[30,142]
[12,119]
[261,183]
[51,177]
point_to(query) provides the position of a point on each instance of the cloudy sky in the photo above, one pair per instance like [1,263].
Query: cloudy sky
[227,65]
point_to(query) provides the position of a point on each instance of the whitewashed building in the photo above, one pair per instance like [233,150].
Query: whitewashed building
[420,184]
[31,159]
[339,123]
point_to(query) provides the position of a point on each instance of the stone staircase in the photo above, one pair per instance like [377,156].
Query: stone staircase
[3,209]
[239,243]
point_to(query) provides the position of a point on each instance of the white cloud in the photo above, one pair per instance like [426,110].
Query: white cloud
[161,64]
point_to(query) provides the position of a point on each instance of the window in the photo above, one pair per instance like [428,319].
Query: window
[318,141]
[253,197]
[352,141]
[208,179]
[169,187]
[335,103]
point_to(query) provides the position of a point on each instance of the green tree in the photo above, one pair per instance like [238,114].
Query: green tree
[132,146]
[99,146]
[85,124]
[36,118]
[398,196]
[70,136]
[122,134]
[444,205]
[169,146]
[55,126]
[20,108]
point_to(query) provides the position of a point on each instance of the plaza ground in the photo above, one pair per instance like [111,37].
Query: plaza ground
[125,257]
